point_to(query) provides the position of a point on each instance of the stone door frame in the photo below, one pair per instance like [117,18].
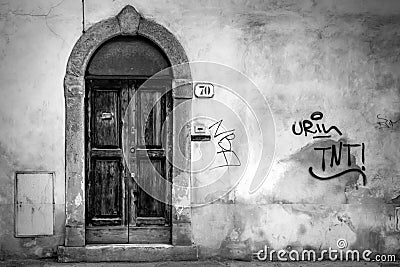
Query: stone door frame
[127,22]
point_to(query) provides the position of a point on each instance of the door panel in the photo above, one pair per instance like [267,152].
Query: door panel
[150,235]
[152,216]
[105,183]
[107,235]
[150,118]
[148,206]
[107,188]
[106,116]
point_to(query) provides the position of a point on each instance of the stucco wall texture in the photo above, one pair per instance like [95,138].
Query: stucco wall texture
[341,58]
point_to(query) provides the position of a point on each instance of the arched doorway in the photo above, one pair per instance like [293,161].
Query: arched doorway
[127,24]
[118,209]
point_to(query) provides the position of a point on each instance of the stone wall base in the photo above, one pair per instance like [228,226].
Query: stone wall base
[127,253]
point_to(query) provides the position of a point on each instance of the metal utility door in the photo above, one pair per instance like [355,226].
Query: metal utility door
[128,141]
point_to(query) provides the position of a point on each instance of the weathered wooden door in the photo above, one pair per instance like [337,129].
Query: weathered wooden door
[128,140]
[118,209]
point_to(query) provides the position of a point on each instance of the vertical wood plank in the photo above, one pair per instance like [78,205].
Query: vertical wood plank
[125,98]
[89,190]
[132,140]
[169,150]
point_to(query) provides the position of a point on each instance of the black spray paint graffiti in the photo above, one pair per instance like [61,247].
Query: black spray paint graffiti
[384,123]
[307,125]
[336,155]
[225,139]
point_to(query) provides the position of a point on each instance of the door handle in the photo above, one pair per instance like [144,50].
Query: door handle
[133,150]
[133,175]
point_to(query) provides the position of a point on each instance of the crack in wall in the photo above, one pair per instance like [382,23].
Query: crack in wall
[39,15]
[45,16]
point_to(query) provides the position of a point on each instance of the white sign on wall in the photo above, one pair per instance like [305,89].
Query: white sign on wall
[204,90]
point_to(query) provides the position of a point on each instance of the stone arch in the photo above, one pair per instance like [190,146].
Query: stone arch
[127,22]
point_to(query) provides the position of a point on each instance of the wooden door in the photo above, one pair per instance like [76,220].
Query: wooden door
[118,210]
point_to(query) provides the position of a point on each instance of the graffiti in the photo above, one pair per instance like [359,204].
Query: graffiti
[306,127]
[336,157]
[318,130]
[384,123]
[224,139]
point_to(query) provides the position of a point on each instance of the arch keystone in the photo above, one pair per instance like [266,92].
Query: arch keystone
[128,20]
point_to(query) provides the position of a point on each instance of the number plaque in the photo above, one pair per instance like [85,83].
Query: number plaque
[204,90]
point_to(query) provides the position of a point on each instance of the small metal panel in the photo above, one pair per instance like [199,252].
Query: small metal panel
[200,137]
[201,133]
[34,204]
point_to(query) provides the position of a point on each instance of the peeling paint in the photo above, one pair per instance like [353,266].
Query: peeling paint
[78,200]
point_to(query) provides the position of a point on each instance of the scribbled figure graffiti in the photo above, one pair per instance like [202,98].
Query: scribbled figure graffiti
[224,139]
[384,123]
[336,159]
[306,127]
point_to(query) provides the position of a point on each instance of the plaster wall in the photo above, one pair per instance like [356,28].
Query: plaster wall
[337,57]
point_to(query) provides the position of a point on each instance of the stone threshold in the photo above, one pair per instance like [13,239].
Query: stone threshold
[127,253]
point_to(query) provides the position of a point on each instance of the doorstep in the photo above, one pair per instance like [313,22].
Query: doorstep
[127,253]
